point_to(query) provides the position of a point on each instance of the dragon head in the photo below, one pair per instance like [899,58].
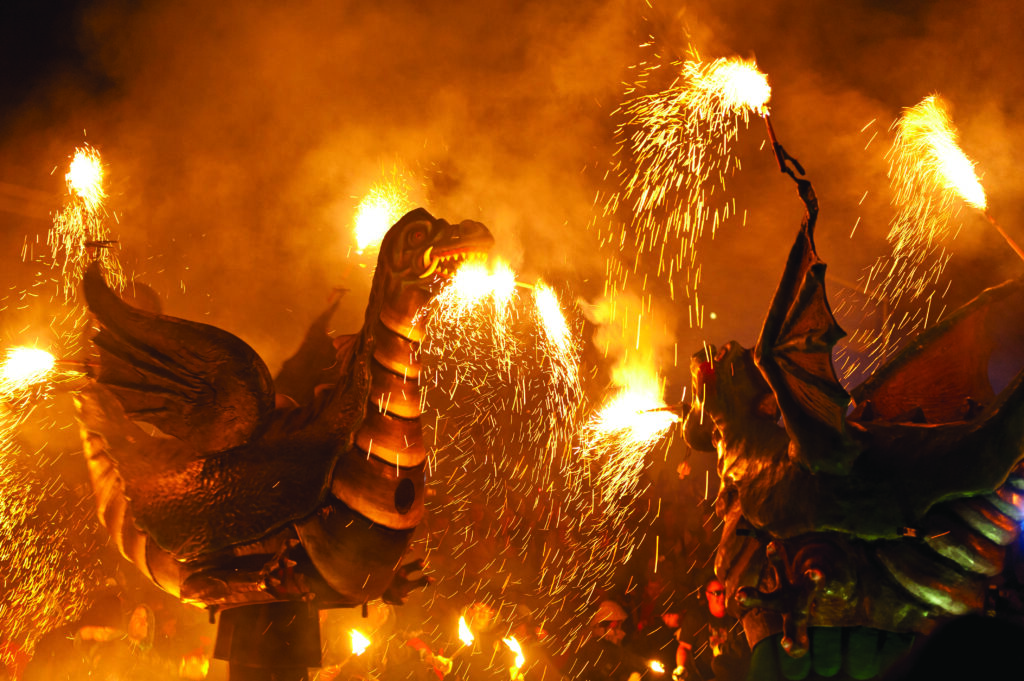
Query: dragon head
[417,253]
[420,250]
[727,388]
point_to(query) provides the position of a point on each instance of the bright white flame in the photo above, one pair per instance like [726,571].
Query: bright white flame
[656,667]
[738,83]
[85,177]
[359,642]
[24,367]
[383,205]
[465,633]
[514,646]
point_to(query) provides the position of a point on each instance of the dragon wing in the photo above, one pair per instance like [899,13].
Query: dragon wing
[794,353]
[314,363]
[196,382]
[944,371]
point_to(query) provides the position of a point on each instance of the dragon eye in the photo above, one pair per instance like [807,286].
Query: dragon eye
[417,236]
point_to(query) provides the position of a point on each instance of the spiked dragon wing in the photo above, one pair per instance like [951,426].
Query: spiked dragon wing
[944,371]
[794,353]
[196,382]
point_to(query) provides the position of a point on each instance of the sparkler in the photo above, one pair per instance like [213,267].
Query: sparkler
[932,179]
[926,161]
[383,205]
[79,227]
[675,149]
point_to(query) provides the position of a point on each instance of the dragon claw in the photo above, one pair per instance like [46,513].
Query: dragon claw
[402,586]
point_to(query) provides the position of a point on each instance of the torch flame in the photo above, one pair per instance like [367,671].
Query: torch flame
[514,646]
[928,134]
[23,368]
[85,177]
[359,642]
[465,633]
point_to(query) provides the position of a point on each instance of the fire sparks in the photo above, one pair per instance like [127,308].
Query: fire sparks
[22,369]
[675,151]
[85,177]
[931,180]
[383,205]
[79,233]
[926,156]
[730,85]
[359,642]
[624,430]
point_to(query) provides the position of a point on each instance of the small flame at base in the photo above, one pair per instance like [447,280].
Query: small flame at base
[359,642]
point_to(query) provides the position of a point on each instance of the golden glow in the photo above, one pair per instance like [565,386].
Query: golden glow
[465,634]
[359,642]
[85,177]
[656,667]
[514,646]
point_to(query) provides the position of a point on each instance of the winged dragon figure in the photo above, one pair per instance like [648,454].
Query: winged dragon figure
[229,494]
[846,529]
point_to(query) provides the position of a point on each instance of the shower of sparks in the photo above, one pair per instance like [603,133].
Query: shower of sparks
[383,205]
[931,179]
[476,306]
[465,634]
[621,433]
[675,151]
[359,642]
[82,222]
[517,650]
[559,341]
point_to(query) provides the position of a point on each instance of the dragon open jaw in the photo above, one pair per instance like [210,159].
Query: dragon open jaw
[446,262]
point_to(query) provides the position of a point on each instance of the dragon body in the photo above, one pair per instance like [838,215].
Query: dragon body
[891,516]
[227,492]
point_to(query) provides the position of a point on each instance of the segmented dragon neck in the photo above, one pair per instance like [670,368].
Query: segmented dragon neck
[391,429]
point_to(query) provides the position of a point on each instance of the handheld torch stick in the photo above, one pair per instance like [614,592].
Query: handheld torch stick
[1009,240]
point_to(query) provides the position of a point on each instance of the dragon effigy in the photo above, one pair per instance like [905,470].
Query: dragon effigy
[852,518]
[227,493]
